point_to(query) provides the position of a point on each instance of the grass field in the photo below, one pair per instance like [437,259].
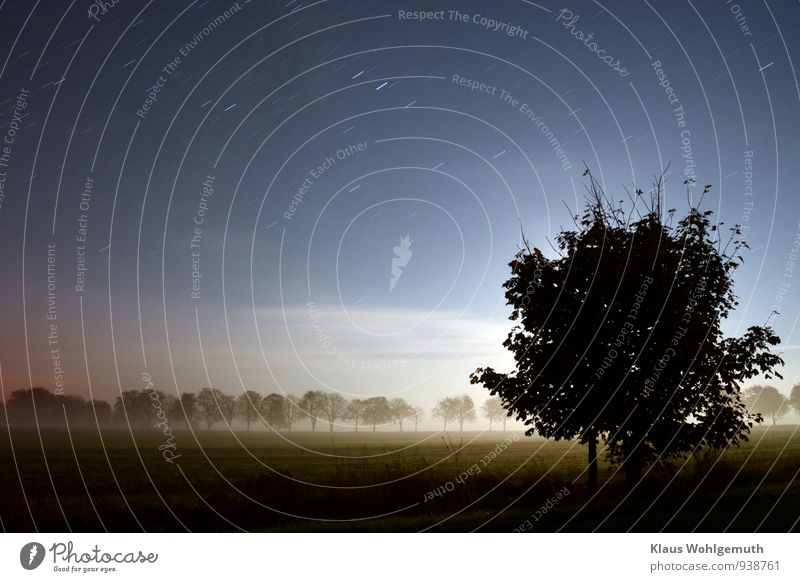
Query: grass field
[380,481]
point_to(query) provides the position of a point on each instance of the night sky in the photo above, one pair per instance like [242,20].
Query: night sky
[284,196]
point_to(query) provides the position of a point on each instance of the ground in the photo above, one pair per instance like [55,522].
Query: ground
[383,481]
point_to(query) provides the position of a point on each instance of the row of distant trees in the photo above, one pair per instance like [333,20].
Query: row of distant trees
[210,406]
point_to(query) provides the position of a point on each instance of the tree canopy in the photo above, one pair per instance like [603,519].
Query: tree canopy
[619,336]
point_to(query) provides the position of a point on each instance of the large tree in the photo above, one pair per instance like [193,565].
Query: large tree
[619,336]
[766,401]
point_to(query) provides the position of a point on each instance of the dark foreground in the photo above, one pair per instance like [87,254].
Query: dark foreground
[379,482]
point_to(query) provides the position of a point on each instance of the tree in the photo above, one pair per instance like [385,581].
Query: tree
[400,410]
[794,398]
[312,404]
[75,409]
[355,411]
[208,406]
[766,401]
[417,414]
[292,410]
[445,409]
[464,410]
[493,410]
[188,405]
[333,407]
[273,411]
[133,408]
[376,411]
[100,411]
[249,405]
[619,337]
[227,407]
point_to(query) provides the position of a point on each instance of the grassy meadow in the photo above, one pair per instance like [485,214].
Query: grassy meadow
[383,481]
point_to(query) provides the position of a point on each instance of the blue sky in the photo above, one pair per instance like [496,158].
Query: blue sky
[275,99]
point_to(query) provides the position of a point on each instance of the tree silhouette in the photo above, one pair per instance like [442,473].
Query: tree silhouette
[400,410]
[463,410]
[355,411]
[291,410]
[333,408]
[249,404]
[133,408]
[445,410]
[376,411]
[767,401]
[188,407]
[312,404]
[208,407]
[619,337]
[273,410]
[417,413]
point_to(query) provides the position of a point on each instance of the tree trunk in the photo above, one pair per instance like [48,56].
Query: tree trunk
[248,424]
[401,425]
[504,423]
[592,443]
[373,427]
[490,425]
[331,426]
[460,425]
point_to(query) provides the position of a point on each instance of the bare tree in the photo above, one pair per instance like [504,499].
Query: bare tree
[333,407]
[227,407]
[445,409]
[493,410]
[208,407]
[355,411]
[417,413]
[274,411]
[464,410]
[376,411]
[400,410]
[249,405]
[292,410]
[313,404]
